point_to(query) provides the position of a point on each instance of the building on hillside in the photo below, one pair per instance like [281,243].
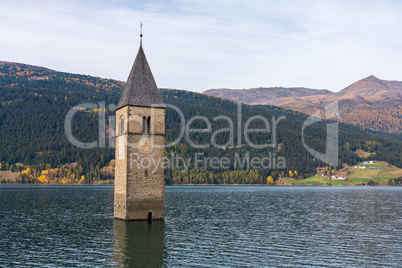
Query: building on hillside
[368,162]
[361,167]
[339,178]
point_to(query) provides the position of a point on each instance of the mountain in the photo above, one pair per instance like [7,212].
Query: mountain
[35,101]
[378,92]
[369,103]
[263,95]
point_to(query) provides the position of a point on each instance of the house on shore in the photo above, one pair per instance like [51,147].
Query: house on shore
[361,167]
[368,162]
[341,178]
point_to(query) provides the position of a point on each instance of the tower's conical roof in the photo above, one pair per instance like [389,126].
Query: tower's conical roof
[140,88]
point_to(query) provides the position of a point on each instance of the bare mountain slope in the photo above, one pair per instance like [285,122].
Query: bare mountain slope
[369,90]
[370,102]
[263,95]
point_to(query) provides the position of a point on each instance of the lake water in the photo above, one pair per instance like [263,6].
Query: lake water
[205,226]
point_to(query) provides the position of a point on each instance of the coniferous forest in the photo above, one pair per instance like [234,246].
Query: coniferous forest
[34,103]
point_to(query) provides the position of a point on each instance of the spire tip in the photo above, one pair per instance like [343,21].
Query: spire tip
[141,34]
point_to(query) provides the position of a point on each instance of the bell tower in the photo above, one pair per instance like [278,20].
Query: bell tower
[139,192]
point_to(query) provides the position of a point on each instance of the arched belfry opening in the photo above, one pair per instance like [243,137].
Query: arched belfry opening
[149,216]
[144,125]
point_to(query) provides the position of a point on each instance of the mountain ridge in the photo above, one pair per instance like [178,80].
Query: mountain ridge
[259,95]
[369,102]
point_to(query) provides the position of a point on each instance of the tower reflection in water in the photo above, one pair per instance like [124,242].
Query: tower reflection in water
[138,244]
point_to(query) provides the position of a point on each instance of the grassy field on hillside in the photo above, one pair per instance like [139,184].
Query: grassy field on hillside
[362,153]
[8,175]
[381,173]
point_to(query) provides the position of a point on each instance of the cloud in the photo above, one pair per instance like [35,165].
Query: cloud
[199,45]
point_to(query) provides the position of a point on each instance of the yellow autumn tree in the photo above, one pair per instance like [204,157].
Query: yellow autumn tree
[270,180]
[43,179]
[27,172]
[291,174]
[82,180]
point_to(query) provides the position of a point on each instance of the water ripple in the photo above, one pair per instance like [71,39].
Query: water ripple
[205,226]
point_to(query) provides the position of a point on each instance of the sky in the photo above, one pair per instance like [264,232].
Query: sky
[203,44]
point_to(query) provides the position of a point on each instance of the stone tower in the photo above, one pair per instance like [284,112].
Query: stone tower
[140,137]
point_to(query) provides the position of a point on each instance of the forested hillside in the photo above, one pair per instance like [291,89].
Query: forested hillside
[34,103]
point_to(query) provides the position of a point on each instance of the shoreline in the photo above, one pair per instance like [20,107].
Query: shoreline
[108,184]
